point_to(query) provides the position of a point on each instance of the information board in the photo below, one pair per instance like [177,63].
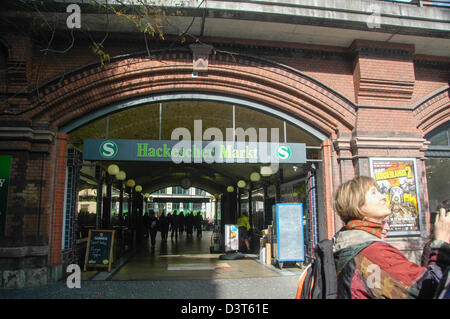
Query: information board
[289,232]
[99,251]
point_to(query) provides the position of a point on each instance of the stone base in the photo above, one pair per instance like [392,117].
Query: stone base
[55,273]
[23,278]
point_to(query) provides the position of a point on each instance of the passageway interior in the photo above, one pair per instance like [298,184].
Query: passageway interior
[218,191]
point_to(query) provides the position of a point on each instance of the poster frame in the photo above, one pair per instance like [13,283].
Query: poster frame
[301,233]
[392,233]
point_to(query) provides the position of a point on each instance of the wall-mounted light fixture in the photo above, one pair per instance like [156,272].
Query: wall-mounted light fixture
[241,184]
[131,183]
[121,176]
[266,171]
[255,177]
[113,169]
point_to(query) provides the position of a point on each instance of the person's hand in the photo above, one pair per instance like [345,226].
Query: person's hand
[442,226]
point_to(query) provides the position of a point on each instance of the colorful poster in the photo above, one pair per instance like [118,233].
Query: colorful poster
[5,173]
[231,238]
[397,180]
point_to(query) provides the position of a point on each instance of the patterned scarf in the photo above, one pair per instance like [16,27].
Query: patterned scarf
[370,227]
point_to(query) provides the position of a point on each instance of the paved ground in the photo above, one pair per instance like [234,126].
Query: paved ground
[182,269]
[283,287]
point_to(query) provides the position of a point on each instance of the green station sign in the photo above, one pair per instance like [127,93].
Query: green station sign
[193,151]
[5,173]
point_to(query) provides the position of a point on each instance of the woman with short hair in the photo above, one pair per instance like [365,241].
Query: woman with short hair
[367,266]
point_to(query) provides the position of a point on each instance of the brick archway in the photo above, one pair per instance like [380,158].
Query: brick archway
[433,111]
[281,87]
[93,88]
[277,86]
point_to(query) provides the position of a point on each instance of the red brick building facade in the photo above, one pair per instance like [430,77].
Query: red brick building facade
[371,99]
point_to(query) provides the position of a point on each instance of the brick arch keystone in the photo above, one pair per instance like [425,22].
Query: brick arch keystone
[94,87]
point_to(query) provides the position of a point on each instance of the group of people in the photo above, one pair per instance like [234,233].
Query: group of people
[370,267]
[176,222]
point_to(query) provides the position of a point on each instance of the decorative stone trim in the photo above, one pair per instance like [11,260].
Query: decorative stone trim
[19,252]
[201,54]
[341,144]
[27,134]
[389,142]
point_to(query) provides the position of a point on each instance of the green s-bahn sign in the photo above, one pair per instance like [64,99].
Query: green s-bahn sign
[193,151]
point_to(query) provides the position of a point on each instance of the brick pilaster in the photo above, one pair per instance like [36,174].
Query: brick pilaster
[328,188]
[57,211]
[383,73]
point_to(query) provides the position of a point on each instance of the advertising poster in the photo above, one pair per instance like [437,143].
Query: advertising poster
[397,180]
[231,238]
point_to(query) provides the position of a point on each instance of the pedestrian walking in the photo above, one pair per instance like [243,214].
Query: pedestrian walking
[189,225]
[163,226]
[199,224]
[243,228]
[153,228]
[181,222]
[174,226]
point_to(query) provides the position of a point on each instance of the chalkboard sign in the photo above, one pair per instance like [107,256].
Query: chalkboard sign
[99,251]
[289,232]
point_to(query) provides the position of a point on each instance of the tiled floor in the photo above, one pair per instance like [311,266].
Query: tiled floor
[183,269]
[189,259]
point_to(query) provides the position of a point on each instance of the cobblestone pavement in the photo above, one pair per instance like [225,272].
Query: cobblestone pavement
[282,287]
[176,270]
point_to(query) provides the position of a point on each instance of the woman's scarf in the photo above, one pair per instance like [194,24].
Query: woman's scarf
[370,227]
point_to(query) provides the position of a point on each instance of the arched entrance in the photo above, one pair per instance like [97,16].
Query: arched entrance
[267,87]
[151,124]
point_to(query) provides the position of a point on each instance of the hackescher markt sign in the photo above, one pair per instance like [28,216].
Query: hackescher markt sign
[179,151]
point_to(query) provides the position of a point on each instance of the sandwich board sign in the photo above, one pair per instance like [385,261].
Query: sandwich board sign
[99,251]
